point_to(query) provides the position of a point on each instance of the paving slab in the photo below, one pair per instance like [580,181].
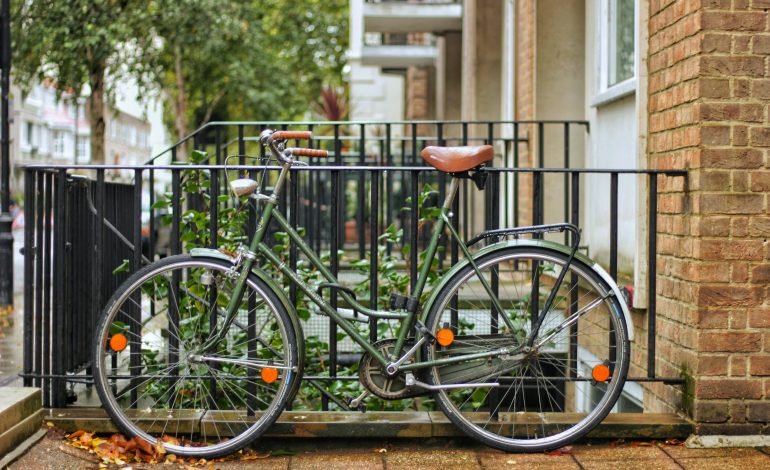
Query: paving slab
[681,452]
[329,461]
[726,463]
[535,461]
[431,458]
[618,452]
[52,453]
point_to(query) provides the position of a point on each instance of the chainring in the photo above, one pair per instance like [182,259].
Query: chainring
[372,376]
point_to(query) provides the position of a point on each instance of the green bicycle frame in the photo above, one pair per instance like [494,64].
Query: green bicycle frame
[408,318]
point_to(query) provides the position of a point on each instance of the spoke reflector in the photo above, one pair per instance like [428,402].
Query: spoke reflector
[269,375]
[445,337]
[600,372]
[118,342]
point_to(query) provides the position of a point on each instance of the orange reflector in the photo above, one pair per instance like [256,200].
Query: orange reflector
[118,342]
[600,372]
[445,337]
[269,375]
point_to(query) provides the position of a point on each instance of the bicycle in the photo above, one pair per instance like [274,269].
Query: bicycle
[524,344]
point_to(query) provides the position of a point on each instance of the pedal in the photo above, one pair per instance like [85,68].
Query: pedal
[424,331]
[358,402]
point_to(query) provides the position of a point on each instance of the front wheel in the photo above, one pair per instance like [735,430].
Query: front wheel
[552,387]
[160,379]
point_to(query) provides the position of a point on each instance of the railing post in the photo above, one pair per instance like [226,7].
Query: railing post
[373,253]
[652,248]
[29,271]
[56,336]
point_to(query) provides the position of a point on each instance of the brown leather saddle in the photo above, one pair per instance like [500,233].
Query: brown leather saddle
[457,159]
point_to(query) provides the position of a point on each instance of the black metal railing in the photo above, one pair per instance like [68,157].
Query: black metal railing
[82,230]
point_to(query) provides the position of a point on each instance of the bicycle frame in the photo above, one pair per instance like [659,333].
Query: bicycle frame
[408,319]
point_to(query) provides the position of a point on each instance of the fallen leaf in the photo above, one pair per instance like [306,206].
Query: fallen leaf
[144,446]
[86,438]
[170,440]
[49,424]
[641,444]
[130,445]
[119,439]
[159,448]
[566,450]
[255,456]
[76,434]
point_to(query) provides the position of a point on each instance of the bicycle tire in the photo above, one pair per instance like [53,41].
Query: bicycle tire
[548,398]
[164,388]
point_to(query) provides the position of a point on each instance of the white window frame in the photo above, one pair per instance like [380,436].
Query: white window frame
[58,143]
[606,93]
[82,148]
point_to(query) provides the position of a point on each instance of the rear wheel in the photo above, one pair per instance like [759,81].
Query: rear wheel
[158,379]
[551,390]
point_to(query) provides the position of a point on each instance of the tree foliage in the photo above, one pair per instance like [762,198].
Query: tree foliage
[74,43]
[210,59]
[247,60]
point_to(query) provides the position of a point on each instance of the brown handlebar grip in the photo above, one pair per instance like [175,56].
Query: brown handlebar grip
[300,152]
[286,135]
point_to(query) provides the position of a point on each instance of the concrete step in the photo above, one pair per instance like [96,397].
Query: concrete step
[376,424]
[21,415]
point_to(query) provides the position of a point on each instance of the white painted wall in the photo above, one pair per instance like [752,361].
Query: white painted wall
[374,96]
[613,145]
[616,116]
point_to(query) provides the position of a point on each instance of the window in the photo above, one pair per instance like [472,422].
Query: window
[620,38]
[615,51]
[58,142]
[82,149]
[29,138]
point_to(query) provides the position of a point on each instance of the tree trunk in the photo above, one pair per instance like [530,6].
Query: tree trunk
[96,113]
[180,105]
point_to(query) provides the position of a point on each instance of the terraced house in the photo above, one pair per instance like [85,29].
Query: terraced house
[647,84]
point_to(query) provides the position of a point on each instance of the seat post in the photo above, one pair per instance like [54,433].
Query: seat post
[454,186]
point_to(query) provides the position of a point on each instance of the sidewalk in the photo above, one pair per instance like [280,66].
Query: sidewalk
[330,454]
[11,334]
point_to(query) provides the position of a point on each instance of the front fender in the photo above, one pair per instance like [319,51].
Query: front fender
[271,284]
[545,244]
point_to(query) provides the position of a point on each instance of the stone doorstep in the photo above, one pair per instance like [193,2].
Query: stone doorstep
[20,432]
[394,424]
[16,404]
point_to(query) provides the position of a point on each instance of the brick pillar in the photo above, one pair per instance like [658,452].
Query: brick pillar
[708,113]
[525,98]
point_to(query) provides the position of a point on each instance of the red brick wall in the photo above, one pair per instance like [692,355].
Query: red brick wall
[708,112]
[525,96]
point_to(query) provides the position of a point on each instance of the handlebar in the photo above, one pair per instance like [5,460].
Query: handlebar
[275,140]
[303,152]
[286,135]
